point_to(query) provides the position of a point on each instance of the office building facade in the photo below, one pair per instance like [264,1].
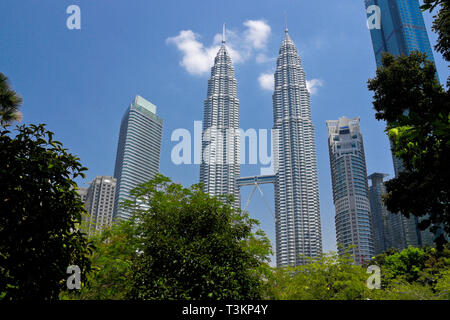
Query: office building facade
[138,150]
[387,226]
[100,203]
[350,188]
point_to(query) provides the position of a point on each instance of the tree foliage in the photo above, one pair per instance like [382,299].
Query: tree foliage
[330,277]
[9,102]
[39,214]
[408,96]
[441,25]
[416,107]
[110,277]
[414,274]
[193,246]
[410,274]
[179,244]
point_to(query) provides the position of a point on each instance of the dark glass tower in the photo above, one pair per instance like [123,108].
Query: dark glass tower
[402,29]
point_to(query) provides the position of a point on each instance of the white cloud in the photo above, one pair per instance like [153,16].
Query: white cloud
[198,59]
[263,58]
[257,33]
[313,85]
[266,81]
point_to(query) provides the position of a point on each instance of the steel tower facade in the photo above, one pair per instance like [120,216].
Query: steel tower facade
[220,165]
[297,211]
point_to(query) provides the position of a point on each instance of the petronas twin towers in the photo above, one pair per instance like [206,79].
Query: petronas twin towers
[220,164]
[297,212]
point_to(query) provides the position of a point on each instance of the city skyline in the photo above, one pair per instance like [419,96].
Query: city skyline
[97,156]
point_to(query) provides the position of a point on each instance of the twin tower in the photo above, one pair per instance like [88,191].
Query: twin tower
[297,211]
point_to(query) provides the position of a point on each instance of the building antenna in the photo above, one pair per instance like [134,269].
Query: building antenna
[223,33]
[285,22]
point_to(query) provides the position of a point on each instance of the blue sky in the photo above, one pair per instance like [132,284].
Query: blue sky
[79,82]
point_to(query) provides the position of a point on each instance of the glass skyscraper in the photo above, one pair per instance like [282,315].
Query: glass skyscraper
[350,188]
[402,30]
[297,211]
[138,150]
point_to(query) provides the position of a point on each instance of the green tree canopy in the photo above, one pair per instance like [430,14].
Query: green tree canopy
[9,102]
[408,96]
[330,277]
[110,277]
[414,273]
[441,25]
[39,215]
[193,246]
[180,244]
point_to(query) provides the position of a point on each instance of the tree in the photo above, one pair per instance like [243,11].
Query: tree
[110,277]
[40,214]
[415,106]
[9,102]
[193,246]
[413,273]
[441,25]
[330,277]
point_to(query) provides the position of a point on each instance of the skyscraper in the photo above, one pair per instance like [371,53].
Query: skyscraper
[100,203]
[220,166]
[138,150]
[402,31]
[82,192]
[350,188]
[387,227]
[297,211]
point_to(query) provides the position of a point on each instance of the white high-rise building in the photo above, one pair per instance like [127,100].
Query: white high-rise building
[100,203]
[350,188]
[298,227]
[82,192]
[220,166]
[138,150]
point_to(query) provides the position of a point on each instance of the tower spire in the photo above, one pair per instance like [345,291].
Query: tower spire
[285,22]
[223,33]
